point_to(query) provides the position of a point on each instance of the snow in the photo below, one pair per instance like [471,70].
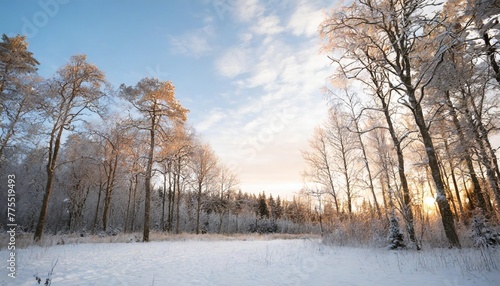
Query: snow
[249,262]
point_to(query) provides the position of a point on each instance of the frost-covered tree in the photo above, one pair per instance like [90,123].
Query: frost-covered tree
[394,36]
[75,90]
[78,177]
[465,83]
[320,167]
[395,238]
[483,235]
[344,146]
[19,95]
[155,101]
[226,183]
[355,109]
[204,171]
[111,141]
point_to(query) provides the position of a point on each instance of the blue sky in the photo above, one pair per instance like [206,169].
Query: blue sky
[250,71]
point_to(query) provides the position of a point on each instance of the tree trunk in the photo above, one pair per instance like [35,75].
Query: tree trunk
[147,181]
[365,157]
[127,214]
[109,190]
[171,202]
[482,150]
[407,210]
[177,207]
[198,208]
[164,198]
[457,192]
[467,154]
[444,207]
[50,169]
[134,203]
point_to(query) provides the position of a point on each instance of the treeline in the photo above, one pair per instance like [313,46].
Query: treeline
[413,110]
[88,158]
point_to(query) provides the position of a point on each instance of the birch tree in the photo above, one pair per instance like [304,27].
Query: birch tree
[353,103]
[226,183]
[320,169]
[205,169]
[344,151]
[394,33]
[75,90]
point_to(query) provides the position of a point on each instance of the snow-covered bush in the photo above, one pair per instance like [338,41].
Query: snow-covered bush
[482,234]
[264,226]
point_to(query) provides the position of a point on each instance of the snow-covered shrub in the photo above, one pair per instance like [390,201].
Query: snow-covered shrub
[395,236]
[264,226]
[482,234]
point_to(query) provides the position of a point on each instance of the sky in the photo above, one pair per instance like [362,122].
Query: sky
[250,71]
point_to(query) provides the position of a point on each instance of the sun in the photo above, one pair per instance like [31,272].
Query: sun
[429,203]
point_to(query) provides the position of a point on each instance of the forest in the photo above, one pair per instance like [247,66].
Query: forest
[407,156]
[82,167]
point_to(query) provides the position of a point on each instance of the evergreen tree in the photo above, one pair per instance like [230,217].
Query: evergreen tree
[482,234]
[262,208]
[395,235]
[278,210]
[272,207]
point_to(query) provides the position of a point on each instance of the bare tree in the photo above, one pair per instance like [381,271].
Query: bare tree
[344,146]
[134,152]
[78,174]
[75,90]
[320,166]
[111,140]
[352,102]
[391,34]
[226,182]
[204,168]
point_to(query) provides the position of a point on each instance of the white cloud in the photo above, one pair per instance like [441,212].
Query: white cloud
[279,79]
[264,74]
[305,20]
[195,43]
[246,10]
[245,38]
[214,117]
[233,62]
[268,26]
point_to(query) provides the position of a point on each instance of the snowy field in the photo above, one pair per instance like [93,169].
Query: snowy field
[249,262]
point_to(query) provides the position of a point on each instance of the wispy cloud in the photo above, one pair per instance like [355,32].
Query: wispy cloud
[277,74]
[233,62]
[268,25]
[246,10]
[305,19]
[213,117]
[195,43]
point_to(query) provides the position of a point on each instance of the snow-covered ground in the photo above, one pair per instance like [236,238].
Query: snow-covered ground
[250,262]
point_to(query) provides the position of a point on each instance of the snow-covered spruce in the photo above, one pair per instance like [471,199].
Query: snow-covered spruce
[483,235]
[396,240]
